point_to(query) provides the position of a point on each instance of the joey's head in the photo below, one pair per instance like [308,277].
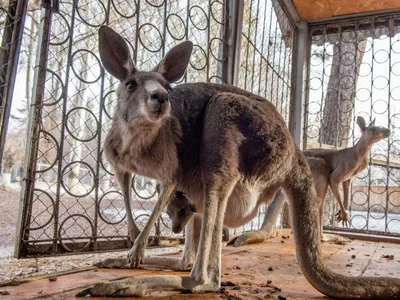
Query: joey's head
[372,133]
[180,210]
[141,95]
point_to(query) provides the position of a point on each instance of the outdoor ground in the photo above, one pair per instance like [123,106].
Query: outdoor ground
[261,271]
[9,205]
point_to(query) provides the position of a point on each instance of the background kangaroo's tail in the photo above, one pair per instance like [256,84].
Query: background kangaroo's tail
[304,211]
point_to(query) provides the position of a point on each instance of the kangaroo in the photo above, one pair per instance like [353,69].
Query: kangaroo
[180,209]
[224,148]
[329,168]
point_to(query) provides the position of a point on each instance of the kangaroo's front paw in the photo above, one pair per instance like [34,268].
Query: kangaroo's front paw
[136,255]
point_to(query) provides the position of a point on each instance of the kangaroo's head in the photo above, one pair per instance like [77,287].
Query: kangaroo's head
[372,133]
[180,210]
[141,95]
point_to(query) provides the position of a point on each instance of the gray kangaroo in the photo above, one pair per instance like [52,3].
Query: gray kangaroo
[329,168]
[224,148]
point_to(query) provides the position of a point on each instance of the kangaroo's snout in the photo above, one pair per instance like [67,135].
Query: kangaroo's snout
[386,133]
[159,95]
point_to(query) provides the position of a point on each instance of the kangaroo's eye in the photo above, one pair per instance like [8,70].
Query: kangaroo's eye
[131,86]
[181,212]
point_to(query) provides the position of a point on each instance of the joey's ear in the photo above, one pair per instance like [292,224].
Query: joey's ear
[174,64]
[372,122]
[361,123]
[114,53]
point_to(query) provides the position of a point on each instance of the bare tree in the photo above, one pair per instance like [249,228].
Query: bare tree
[340,95]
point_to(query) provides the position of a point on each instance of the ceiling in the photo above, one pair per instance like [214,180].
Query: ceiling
[321,9]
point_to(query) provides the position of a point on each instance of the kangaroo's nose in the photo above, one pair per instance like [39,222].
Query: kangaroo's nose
[159,96]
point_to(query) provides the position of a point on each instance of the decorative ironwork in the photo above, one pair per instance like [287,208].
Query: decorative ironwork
[355,71]
[72,201]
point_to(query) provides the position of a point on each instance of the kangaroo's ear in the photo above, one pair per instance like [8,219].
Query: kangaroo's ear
[174,64]
[114,53]
[361,123]
[372,122]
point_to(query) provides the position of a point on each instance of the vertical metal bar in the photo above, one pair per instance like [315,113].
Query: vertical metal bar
[33,133]
[323,99]
[99,131]
[208,39]
[388,114]
[268,48]
[262,50]
[300,69]
[9,57]
[280,77]
[135,55]
[288,95]
[283,82]
[62,131]
[255,46]
[164,29]
[370,114]
[187,29]
[273,58]
[248,46]
[232,40]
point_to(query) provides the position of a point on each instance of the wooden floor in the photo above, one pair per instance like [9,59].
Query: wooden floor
[261,271]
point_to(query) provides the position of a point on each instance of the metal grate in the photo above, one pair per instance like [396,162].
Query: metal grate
[354,70]
[266,63]
[72,201]
[266,56]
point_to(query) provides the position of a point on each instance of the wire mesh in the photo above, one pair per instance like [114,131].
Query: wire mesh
[266,63]
[354,71]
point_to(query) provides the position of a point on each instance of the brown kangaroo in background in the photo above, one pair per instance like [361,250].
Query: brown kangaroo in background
[224,148]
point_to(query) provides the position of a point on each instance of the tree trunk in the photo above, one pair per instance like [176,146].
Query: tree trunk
[339,99]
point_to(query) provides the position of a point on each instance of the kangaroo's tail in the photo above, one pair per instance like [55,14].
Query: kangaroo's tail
[304,211]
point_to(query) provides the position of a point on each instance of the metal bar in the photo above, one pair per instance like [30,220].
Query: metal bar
[268,48]
[9,57]
[299,98]
[273,58]
[99,127]
[262,50]
[232,40]
[247,51]
[135,55]
[291,12]
[255,46]
[208,39]
[33,135]
[62,131]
